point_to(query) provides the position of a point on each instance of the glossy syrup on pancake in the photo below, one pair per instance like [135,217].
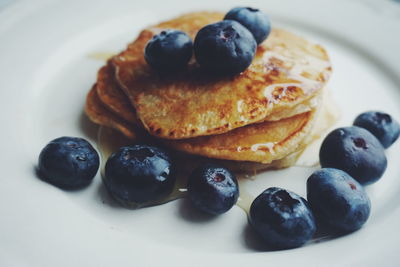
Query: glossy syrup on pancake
[286,71]
[261,142]
[110,140]
[112,96]
[243,143]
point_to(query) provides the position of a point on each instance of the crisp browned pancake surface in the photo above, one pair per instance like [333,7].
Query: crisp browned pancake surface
[99,114]
[110,94]
[261,142]
[286,71]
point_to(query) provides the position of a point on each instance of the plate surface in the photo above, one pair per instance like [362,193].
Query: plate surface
[47,66]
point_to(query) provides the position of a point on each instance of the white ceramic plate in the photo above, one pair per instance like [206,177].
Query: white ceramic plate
[45,73]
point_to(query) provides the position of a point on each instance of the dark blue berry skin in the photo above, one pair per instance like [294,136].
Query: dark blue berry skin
[213,189]
[138,174]
[256,21]
[355,151]
[68,162]
[282,218]
[382,125]
[337,200]
[169,51]
[224,48]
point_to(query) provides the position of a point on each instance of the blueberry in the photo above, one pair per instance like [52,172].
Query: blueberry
[282,218]
[224,48]
[213,189]
[169,50]
[68,162]
[139,174]
[355,151]
[256,21]
[338,200]
[382,125]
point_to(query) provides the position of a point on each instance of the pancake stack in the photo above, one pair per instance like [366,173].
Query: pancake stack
[262,118]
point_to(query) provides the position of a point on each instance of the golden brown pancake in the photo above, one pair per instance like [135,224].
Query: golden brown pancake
[211,145]
[111,140]
[112,96]
[286,71]
[261,142]
[109,92]
[99,114]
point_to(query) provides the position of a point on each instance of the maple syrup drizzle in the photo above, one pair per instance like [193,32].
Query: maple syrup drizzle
[103,56]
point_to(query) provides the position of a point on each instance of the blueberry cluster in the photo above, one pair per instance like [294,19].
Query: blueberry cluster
[359,150]
[143,174]
[350,158]
[135,175]
[223,48]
